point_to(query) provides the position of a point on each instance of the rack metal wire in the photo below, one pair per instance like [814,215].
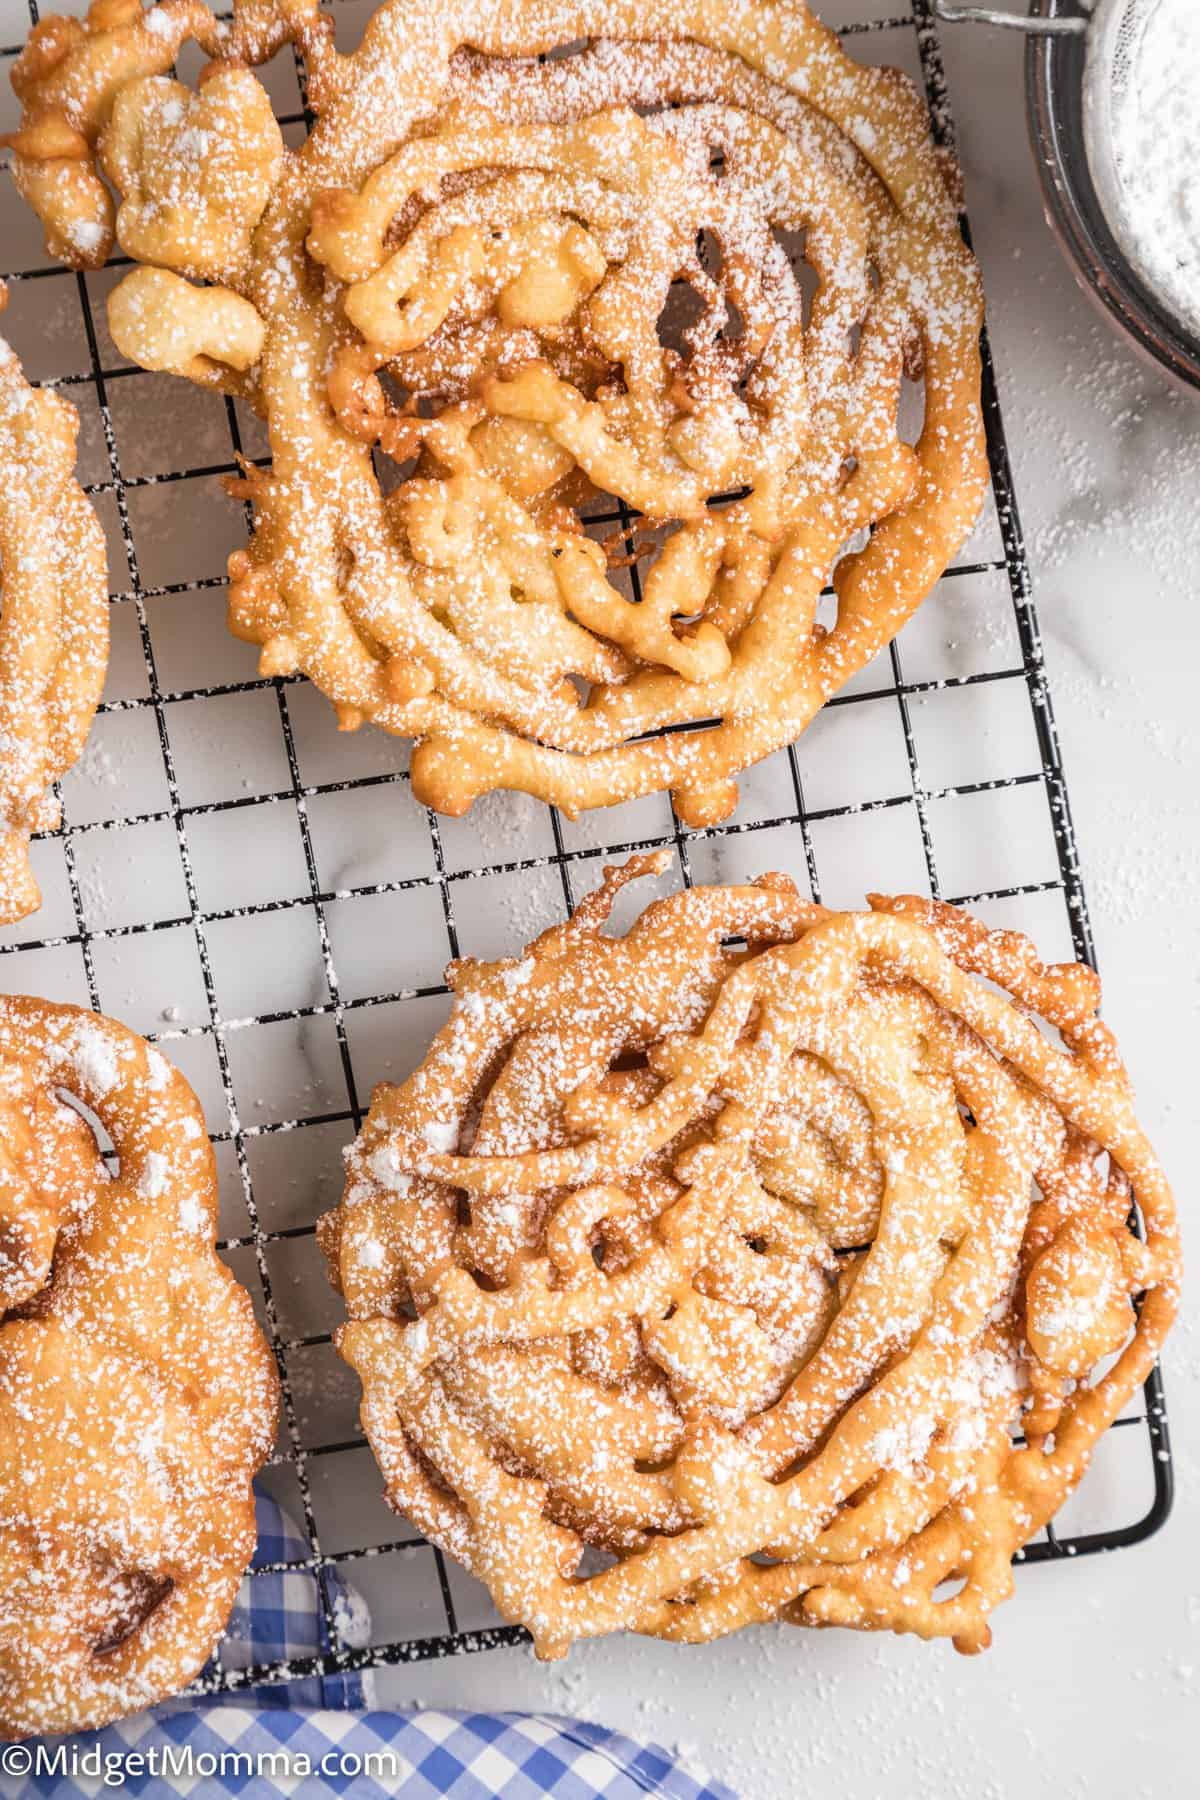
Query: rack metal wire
[444,884]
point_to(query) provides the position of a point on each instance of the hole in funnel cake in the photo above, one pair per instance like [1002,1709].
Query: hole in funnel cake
[91,1119]
[142,1594]
[14,1249]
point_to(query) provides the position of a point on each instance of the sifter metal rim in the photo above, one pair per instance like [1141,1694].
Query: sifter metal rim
[1054,88]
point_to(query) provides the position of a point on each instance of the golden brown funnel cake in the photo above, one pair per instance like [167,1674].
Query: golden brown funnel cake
[490,292]
[53,619]
[137,1395]
[738,1265]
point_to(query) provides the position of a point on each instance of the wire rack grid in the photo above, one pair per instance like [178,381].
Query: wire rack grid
[234,880]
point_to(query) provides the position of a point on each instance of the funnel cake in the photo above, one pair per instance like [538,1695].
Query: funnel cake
[492,294]
[137,1394]
[53,620]
[734,1268]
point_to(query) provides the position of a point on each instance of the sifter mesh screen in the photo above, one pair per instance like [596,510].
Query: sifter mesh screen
[1146,199]
[1116,32]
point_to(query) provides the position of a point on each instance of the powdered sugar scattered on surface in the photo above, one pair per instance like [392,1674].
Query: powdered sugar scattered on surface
[1111,540]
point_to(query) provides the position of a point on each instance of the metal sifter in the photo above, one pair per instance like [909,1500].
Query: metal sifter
[1078,63]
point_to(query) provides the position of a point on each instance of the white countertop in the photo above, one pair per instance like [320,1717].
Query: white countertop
[1092,1684]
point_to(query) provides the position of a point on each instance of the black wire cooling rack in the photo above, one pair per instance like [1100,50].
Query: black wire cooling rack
[448,883]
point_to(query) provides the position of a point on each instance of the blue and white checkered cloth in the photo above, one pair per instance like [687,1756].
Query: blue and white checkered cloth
[213,1745]
[279,1617]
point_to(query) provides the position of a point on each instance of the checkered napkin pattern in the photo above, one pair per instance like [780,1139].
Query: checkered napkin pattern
[463,1756]
[279,1615]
